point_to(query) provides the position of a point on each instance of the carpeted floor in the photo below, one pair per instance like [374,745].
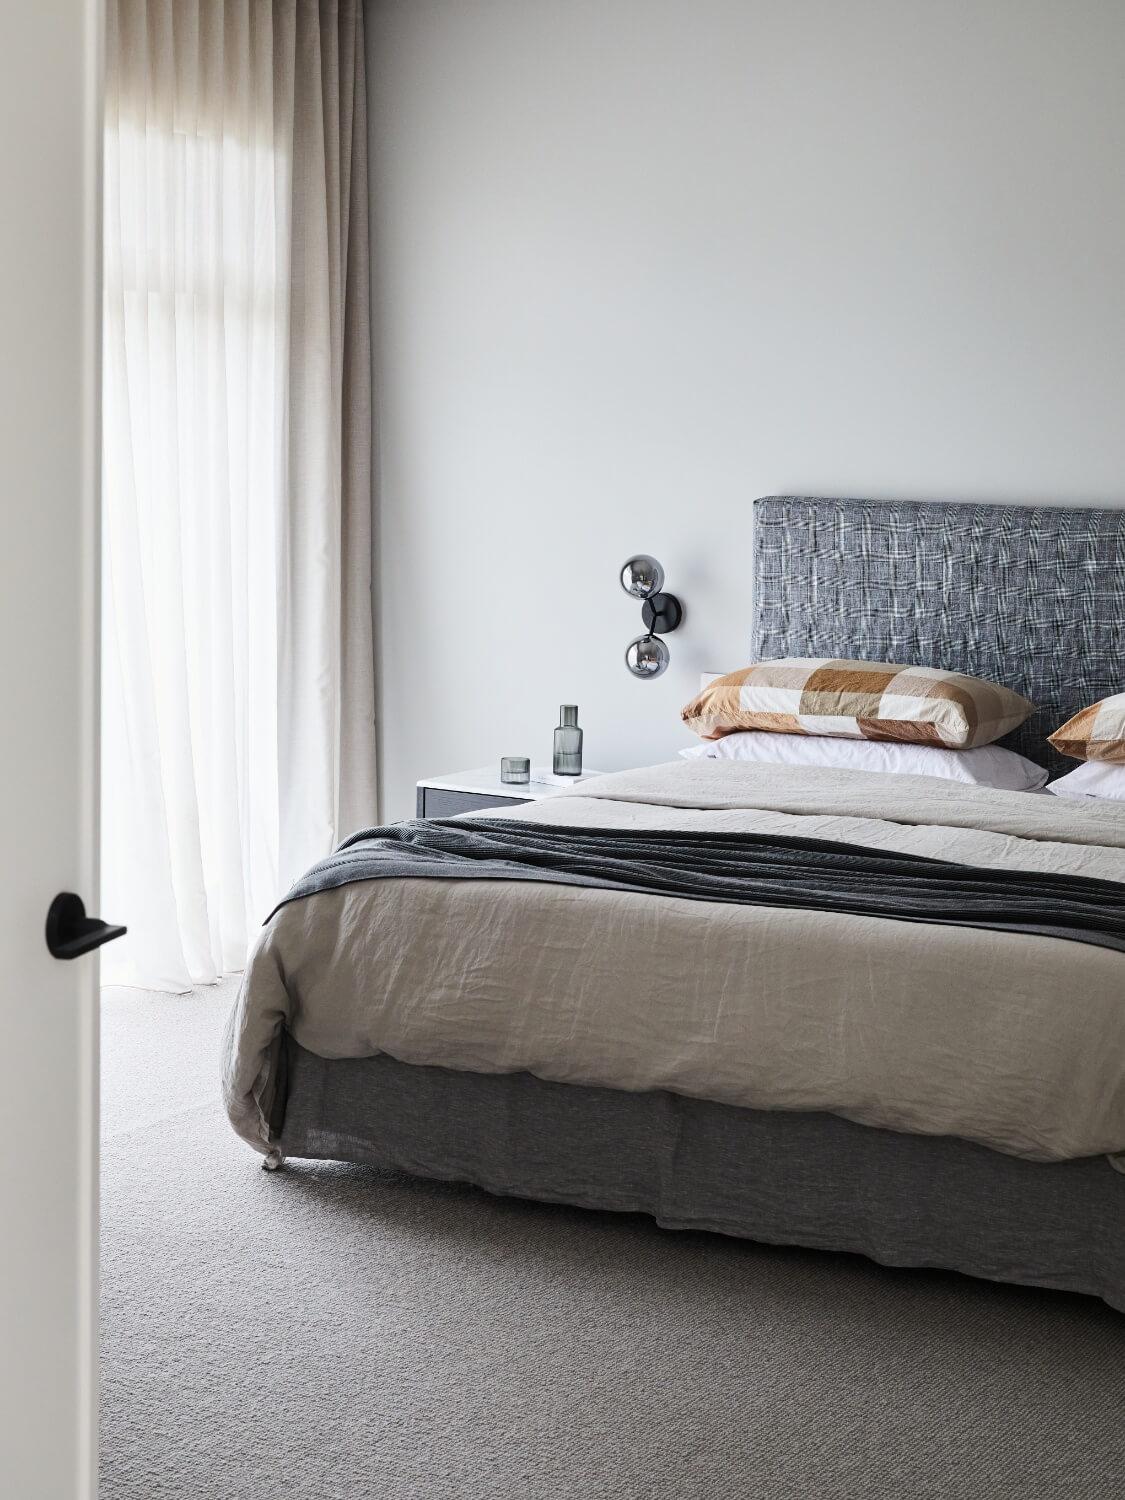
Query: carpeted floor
[335,1333]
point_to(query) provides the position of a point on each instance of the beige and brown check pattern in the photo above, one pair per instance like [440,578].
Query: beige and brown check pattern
[1095,733]
[857,700]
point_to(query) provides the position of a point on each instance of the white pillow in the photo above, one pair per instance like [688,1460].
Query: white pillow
[988,765]
[1093,778]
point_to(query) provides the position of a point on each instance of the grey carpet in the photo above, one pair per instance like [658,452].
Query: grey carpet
[334,1333]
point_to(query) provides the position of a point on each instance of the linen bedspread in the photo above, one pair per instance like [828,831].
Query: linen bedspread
[1013,1040]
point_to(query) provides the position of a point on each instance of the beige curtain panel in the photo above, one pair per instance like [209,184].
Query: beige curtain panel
[238,679]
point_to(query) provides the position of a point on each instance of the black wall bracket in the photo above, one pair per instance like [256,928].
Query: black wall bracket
[661,613]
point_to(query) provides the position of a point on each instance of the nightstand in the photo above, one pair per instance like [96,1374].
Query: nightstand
[472,791]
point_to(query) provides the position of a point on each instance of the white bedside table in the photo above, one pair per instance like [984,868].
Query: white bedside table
[470,791]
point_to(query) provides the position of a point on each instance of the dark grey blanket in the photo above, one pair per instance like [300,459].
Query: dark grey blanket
[750,869]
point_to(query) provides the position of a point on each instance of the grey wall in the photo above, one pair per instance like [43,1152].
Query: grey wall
[638,261]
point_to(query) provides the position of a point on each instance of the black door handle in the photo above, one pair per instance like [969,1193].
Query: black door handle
[70,932]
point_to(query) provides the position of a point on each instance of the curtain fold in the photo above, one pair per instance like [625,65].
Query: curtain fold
[238,736]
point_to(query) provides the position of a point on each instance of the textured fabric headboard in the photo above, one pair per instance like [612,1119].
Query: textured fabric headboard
[1032,597]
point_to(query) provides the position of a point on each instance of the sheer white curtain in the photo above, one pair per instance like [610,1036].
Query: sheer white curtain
[238,679]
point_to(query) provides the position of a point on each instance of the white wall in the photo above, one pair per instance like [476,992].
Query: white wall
[638,261]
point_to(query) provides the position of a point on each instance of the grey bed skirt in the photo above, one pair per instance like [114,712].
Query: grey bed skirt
[784,1178]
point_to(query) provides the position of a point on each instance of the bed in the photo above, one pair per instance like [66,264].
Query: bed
[924,1094]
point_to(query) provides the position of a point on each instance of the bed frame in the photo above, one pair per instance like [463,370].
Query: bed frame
[1033,597]
[1029,596]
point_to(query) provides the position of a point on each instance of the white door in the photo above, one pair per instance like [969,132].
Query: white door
[50,145]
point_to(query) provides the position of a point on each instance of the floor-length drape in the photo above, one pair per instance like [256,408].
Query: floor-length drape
[238,680]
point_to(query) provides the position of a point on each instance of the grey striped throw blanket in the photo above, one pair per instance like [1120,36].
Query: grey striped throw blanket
[747,868]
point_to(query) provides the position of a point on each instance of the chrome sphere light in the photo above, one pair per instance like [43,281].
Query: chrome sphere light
[647,656]
[642,578]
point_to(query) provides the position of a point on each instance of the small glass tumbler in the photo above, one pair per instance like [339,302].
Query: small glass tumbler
[515,770]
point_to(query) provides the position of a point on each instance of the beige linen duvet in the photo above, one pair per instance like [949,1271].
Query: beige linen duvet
[1016,1041]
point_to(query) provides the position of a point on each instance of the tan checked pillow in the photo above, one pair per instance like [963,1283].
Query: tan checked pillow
[1095,733]
[858,700]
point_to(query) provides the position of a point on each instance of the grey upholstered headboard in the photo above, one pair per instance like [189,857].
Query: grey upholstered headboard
[1032,597]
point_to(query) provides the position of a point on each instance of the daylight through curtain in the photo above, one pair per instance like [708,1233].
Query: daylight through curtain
[238,683]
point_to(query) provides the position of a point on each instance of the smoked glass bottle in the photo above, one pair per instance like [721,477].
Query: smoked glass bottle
[568,742]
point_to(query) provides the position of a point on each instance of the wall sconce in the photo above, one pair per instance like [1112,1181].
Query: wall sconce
[642,577]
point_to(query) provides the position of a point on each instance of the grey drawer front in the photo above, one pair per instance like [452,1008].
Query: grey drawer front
[435,803]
